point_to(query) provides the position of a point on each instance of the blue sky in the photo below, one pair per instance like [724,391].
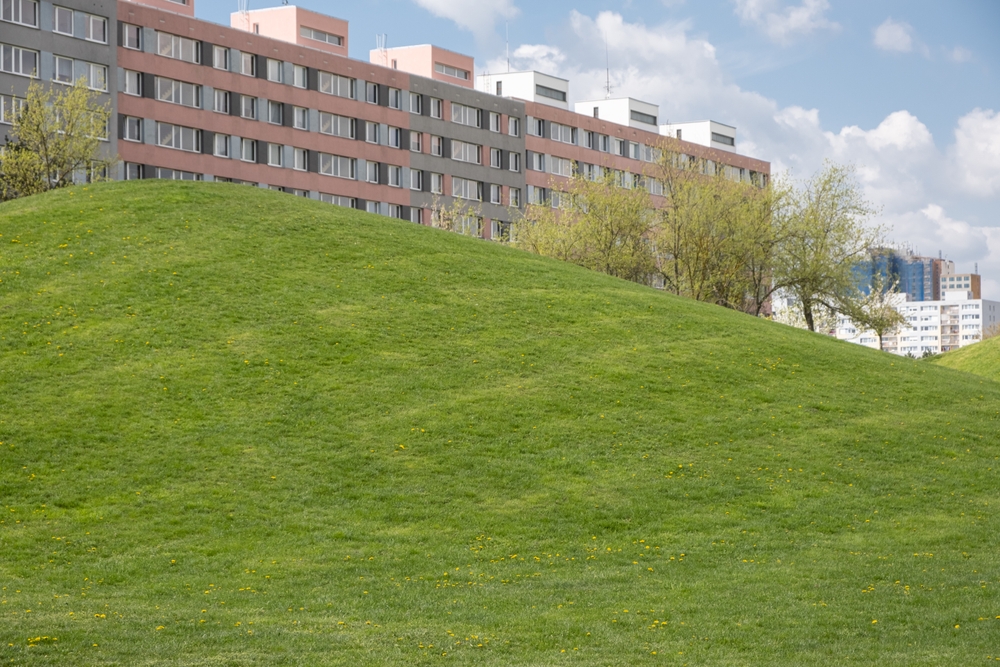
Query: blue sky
[907,91]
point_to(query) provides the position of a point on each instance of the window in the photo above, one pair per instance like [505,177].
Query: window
[437,146]
[515,197]
[437,108]
[605,144]
[561,166]
[177,175]
[15,60]
[494,122]
[221,148]
[371,93]
[466,189]
[416,103]
[620,147]
[275,112]
[448,70]
[300,159]
[437,184]
[248,64]
[176,136]
[131,36]
[536,127]
[300,118]
[95,29]
[395,137]
[62,20]
[464,115]
[248,150]
[275,70]
[641,117]
[320,36]
[62,70]
[338,126]
[415,215]
[551,93]
[96,76]
[496,158]
[9,107]
[416,141]
[346,202]
[300,76]
[248,107]
[132,129]
[464,152]
[133,171]
[372,207]
[335,165]
[513,126]
[395,98]
[133,83]
[395,211]
[274,154]
[24,12]
[723,139]
[395,176]
[371,172]
[341,86]
[416,179]
[537,162]
[636,151]
[563,133]
[221,102]
[220,57]
[515,162]
[178,92]
[371,132]
[469,225]
[177,47]
[496,194]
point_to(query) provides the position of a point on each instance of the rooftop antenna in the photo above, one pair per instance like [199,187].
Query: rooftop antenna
[507,28]
[243,7]
[607,56]
[380,44]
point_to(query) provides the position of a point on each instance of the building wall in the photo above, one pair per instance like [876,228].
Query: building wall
[422,60]
[49,44]
[284,23]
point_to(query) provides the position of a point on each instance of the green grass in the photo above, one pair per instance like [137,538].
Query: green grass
[241,428]
[979,359]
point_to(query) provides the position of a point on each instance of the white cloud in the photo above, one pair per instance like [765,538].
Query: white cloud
[898,162]
[894,36]
[976,153]
[784,24]
[480,17]
[958,54]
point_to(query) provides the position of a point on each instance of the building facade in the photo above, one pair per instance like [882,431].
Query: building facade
[273,100]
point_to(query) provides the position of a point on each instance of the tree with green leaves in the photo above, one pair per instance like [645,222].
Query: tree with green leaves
[57,133]
[828,232]
[877,310]
[599,224]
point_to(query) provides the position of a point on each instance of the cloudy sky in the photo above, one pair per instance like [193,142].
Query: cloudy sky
[908,91]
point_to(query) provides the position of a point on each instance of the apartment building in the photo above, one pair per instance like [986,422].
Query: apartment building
[933,327]
[273,100]
[57,44]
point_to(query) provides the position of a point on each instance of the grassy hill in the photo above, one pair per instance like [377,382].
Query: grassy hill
[241,428]
[980,359]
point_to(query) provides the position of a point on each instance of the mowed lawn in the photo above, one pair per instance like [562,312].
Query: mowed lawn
[242,428]
[980,359]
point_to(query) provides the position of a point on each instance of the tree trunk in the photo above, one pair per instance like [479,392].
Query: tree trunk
[807,312]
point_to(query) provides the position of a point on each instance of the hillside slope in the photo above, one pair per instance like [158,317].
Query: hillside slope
[241,428]
[980,359]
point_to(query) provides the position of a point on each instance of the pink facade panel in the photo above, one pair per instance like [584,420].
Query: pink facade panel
[428,61]
[186,8]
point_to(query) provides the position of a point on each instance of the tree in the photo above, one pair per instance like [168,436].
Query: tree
[827,234]
[876,311]
[716,237]
[55,135]
[461,216]
[600,224]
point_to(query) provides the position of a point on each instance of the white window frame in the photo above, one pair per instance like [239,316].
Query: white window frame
[496,194]
[336,166]
[17,60]
[177,46]
[464,188]
[495,122]
[416,179]
[132,129]
[395,137]
[371,132]
[90,21]
[248,100]
[57,63]
[437,184]
[300,76]
[178,91]
[513,126]
[300,159]
[275,109]
[437,108]
[437,146]
[58,10]
[248,61]
[13,12]
[133,83]
[223,62]
[371,172]
[300,118]
[275,155]
[221,140]
[515,162]
[496,158]
[394,176]
[97,76]
[334,84]
[275,70]
[462,151]
[395,98]
[337,126]
[126,41]
[222,101]
[416,103]
[248,150]
[179,135]
[416,141]
[466,115]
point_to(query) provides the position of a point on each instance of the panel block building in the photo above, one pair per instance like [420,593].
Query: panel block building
[273,100]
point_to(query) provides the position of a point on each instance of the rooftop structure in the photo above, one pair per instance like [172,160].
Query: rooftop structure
[527,86]
[705,133]
[428,61]
[623,111]
[295,25]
